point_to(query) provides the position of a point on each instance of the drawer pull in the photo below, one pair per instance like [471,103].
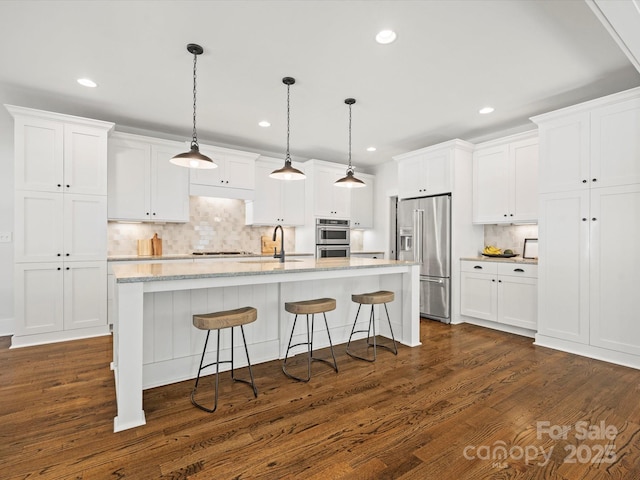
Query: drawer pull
[478,267]
[518,270]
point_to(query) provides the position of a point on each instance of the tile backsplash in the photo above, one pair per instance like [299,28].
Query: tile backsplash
[509,236]
[215,224]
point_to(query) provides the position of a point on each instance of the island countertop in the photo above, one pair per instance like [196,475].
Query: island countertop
[150,272]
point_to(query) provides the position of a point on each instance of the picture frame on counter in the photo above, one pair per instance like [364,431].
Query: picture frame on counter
[530,248]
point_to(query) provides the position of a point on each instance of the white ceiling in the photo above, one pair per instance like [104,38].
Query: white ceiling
[523,57]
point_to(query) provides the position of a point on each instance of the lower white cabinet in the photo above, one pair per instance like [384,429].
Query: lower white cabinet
[59,296]
[500,292]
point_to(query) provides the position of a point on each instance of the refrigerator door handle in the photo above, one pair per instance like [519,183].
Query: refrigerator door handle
[432,280]
[418,223]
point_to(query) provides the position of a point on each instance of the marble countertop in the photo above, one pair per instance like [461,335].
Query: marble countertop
[149,272]
[532,261]
[191,256]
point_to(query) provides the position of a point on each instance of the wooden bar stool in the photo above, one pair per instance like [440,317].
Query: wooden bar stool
[372,299]
[309,307]
[217,321]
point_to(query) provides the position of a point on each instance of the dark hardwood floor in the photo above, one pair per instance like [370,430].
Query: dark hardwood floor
[465,405]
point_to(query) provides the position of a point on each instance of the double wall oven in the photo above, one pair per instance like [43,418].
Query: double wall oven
[332,238]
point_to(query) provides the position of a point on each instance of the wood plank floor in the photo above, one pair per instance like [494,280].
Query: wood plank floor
[464,405]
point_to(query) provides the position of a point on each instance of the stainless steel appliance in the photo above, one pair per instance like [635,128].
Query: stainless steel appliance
[424,236]
[330,231]
[332,238]
[332,251]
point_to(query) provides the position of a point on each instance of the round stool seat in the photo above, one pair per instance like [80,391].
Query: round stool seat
[382,296]
[309,307]
[225,319]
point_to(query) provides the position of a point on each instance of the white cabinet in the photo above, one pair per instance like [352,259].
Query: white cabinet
[52,227]
[505,180]
[276,201]
[61,227]
[234,177]
[143,184]
[597,145]
[59,153]
[424,172]
[500,292]
[589,233]
[329,201]
[362,203]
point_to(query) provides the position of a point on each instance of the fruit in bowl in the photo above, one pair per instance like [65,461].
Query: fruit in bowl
[491,250]
[508,251]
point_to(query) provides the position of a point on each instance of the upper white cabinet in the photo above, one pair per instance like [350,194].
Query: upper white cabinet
[276,201]
[59,153]
[424,172]
[362,203]
[505,180]
[329,201]
[233,178]
[143,184]
[595,144]
[589,232]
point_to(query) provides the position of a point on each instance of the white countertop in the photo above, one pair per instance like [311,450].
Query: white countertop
[149,272]
[191,256]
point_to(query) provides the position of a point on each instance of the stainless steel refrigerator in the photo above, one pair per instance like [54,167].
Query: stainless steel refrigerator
[424,235]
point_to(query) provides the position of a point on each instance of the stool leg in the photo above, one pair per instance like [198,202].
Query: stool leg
[395,347]
[372,325]
[353,330]
[246,351]
[289,347]
[193,392]
[335,364]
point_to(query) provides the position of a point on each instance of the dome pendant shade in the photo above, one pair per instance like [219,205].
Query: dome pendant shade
[288,172]
[193,158]
[350,181]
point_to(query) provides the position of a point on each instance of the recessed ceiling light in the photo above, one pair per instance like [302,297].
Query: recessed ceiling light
[87,82]
[385,36]
[485,110]
[371,149]
[264,124]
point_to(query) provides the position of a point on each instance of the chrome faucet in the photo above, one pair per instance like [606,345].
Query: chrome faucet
[275,251]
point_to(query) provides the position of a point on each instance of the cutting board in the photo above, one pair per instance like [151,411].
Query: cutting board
[267,245]
[156,245]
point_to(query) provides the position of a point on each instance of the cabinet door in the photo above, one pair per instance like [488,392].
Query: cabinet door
[490,185]
[362,204]
[564,153]
[523,180]
[169,187]
[615,268]
[293,201]
[563,271]
[85,160]
[478,295]
[239,172]
[213,177]
[85,294]
[266,208]
[38,295]
[518,301]
[85,227]
[329,200]
[39,227]
[437,172]
[615,144]
[411,181]
[129,170]
[39,150]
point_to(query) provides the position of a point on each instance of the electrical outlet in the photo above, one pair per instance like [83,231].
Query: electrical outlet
[5,237]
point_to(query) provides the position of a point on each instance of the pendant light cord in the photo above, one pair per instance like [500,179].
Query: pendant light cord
[194,140]
[288,157]
[350,168]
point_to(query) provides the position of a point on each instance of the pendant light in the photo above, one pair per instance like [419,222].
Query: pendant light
[349,181]
[288,172]
[193,158]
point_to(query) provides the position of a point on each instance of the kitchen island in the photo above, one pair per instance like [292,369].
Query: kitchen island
[154,340]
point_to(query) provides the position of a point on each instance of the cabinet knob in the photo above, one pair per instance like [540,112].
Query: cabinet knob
[59,254]
[66,254]
[227,181]
[518,270]
[511,214]
[594,180]
[493,280]
[154,213]
[505,214]
[67,268]
[594,219]
[499,281]
[59,268]
[477,267]
[584,219]
[147,213]
[584,181]
[68,186]
[59,185]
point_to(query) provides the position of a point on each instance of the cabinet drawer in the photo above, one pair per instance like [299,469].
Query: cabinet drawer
[518,269]
[479,267]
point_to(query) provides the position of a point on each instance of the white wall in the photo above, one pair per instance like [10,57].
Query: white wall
[386,186]
[6,219]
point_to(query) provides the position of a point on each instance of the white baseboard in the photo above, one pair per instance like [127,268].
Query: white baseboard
[500,326]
